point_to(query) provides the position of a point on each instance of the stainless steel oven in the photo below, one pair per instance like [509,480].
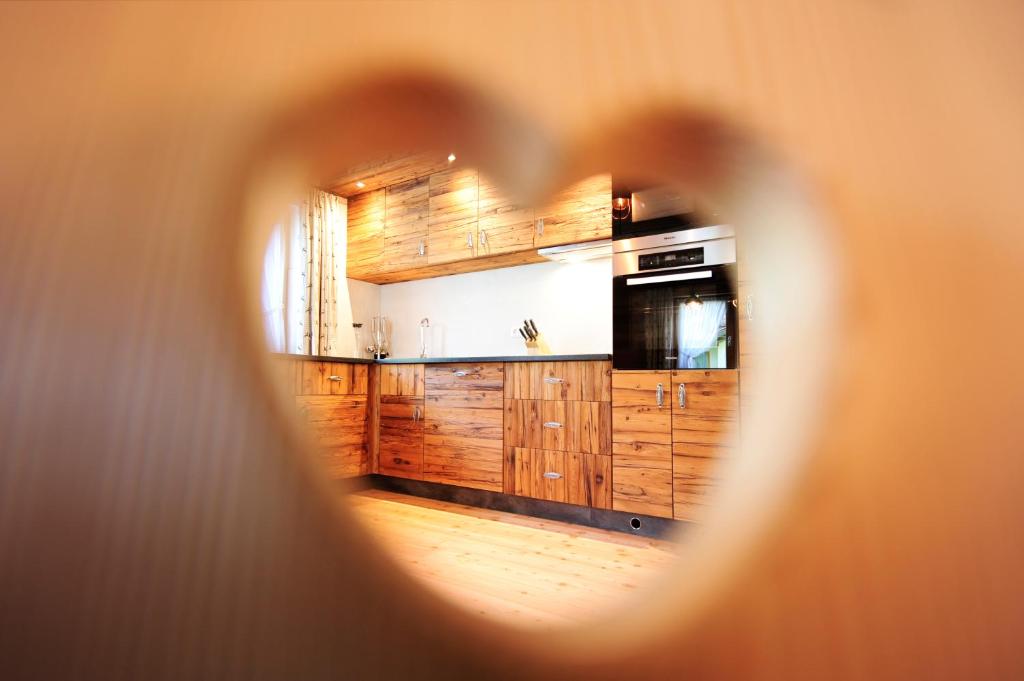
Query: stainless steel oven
[674,300]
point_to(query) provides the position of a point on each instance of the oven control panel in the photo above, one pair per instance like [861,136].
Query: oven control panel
[680,258]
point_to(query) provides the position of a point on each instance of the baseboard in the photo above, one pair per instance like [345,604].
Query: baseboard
[605,519]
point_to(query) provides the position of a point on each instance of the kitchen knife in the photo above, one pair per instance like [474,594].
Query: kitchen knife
[536,333]
[526,326]
[523,334]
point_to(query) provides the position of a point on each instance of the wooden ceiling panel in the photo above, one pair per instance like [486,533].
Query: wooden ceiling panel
[384,173]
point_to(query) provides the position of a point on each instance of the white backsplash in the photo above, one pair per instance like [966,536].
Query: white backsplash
[474,314]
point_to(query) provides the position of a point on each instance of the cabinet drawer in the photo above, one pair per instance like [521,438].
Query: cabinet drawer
[484,377]
[331,378]
[337,425]
[463,461]
[641,490]
[402,380]
[694,480]
[573,381]
[564,426]
[401,436]
[569,477]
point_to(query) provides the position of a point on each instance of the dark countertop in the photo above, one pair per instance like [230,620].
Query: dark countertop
[503,358]
[452,360]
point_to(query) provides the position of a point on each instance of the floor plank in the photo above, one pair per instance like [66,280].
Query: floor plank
[522,571]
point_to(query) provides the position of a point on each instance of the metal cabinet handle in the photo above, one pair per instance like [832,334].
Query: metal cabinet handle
[682,396]
[460,373]
[552,475]
[552,379]
[469,239]
[423,248]
[540,226]
[749,308]
[659,395]
[415,414]
[482,239]
[334,378]
[552,424]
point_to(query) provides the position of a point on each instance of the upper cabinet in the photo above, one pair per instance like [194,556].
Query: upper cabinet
[455,220]
[365,255]
[582,212]
[406,210]
[452,221]
[504,226]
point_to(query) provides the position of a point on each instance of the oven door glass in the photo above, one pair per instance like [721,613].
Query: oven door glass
[682,320]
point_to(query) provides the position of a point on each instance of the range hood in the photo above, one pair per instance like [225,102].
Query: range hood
[589,250]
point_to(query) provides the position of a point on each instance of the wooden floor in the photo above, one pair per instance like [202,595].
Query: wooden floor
[521,571]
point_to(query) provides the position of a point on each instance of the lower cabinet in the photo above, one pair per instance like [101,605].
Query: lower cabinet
[462,431]
[338,426]
[568,477]
[400,444]
[642,442]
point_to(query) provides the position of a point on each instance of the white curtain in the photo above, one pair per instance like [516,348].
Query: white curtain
[699,329]
[304,291]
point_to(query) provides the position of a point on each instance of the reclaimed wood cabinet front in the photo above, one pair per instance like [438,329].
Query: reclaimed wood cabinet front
[705,415]
[582,212]
[642,442]
[463,433]
[452,220]
[405,225]
[364,257]
[331,397]
[566,477]
[400,448]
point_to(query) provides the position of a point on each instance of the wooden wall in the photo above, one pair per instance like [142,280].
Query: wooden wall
[153,521]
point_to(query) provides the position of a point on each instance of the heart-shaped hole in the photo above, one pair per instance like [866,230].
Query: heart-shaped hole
[471,150]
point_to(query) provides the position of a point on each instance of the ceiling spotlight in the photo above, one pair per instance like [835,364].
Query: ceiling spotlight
[360,184]
[451,157]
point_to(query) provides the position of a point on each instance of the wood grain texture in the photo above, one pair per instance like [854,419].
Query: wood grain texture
[568,477]
[476,264]
[581,212]
[401,436]
[463,430]
[636,416]
[559,425]
[401,380]
[331,378]
[391,170]
[503,226]
[589,381]
[452,231]
[365,254]
[406,206]
[158,518]
[588,479]
[338,427]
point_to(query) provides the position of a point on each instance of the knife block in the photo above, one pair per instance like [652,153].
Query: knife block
[538,346]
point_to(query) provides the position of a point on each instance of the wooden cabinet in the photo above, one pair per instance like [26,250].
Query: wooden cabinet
[452,220]
[559,425]
[588,381]
[405,225]
[503,226]
[582,212]
[365,234]
[705,414]
[462,441]
[567,477]
[332,399]
[400,448]
[642,442]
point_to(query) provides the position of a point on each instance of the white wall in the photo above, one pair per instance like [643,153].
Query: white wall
[474,314]
[364,301]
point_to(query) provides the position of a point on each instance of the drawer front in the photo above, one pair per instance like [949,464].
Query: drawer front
[567,477]
[331,378]
[487,377]
[559,425]
[401,437]
[338,427]
[572,381]
[401,380]
[463,446]
[641,490]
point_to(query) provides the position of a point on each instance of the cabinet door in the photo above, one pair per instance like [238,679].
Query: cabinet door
[705,408]
[365,235]
[503,225]
[642,442]
[401,436]
[452,220]
[462,441]
[405,225]
[338,427]
[582,212]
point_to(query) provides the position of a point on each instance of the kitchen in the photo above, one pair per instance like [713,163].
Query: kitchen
[575,365]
